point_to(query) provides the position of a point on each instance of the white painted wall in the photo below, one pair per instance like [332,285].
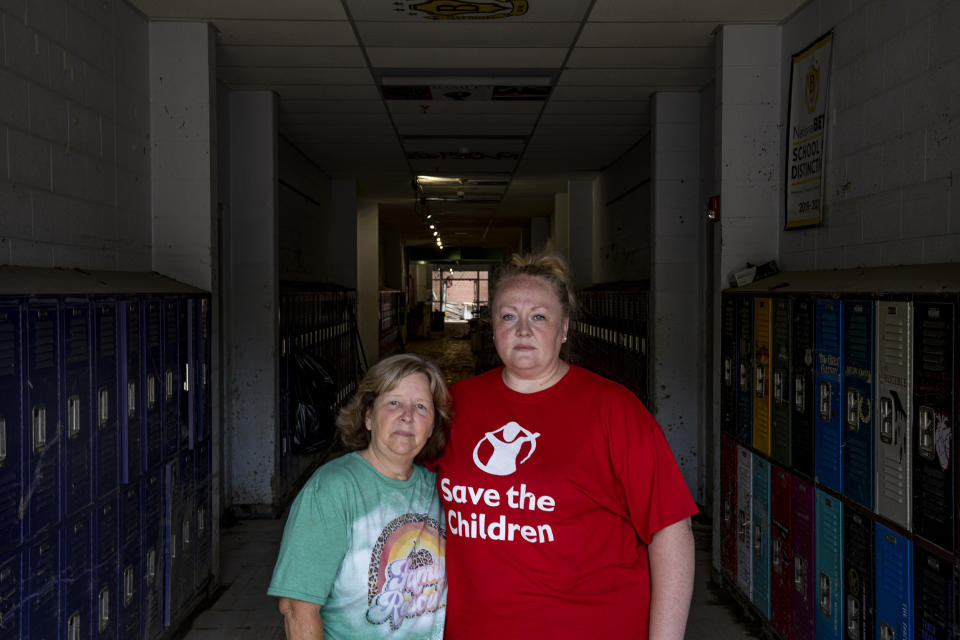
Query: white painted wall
[893,132]
[560,226]
[74,136]
[623,217]
[580,198]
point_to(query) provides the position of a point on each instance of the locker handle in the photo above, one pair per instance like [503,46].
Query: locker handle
[39,428]
[799,571]
[800,394]
[853,410]
[886,420]
[186,376]
[926,447]
[103,608]
[744,384]
[73,626]
[825,401]
[761,378]
[757,538]
[775,555]
[103,406]
[151,391]
[131,398]
[778,377]
[825,594]
[887,632]
[168,385]
[128,586]
[853,617]
[151,568]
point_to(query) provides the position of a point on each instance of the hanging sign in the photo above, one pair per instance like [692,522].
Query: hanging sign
[807,134]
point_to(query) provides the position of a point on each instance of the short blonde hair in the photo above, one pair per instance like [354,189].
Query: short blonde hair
[383,377]
[551,267]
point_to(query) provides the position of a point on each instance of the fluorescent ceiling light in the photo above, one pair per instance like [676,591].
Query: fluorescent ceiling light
[465,81]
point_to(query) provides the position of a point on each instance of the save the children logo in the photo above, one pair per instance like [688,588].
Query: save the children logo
[497,451]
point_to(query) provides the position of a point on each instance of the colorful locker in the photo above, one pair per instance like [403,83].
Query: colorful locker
[829,582]
[762,328]
[10,593]
[802,424]
[728,354]
[744,526]
[728,515]
[42,409]
[858,573]
[829,380]
[744,427]
[761,535]
[894,586]
[203,405]
[131,390]
[151,554]
[11,383]
[40,601]
[78,405]
[781,551]
[802,536]
[934,495]
[153,382]
[935,590]
[892,432]
[188,369]
[105,576]
[171,385]
[75,574]
[782,366]
[857,447]
[106,367]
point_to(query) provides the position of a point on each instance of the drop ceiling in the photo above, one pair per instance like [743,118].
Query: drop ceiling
[504,100]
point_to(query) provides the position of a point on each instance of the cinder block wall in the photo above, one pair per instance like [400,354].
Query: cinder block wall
[892,150]
[74,135]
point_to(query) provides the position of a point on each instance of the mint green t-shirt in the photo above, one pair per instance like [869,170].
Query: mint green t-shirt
[369,550]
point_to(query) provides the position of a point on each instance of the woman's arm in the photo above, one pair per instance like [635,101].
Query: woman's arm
[672,559]
[301,620]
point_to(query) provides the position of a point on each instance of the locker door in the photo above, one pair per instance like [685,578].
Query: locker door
[858,574]
[75,573]
[106,368]
[829,393]
[188,369]
[935,584]
[152,553]
[760,534]
[128,591]
[10,594]
[171,385]
[828,584]
[203,328]
[11,383]
[892,431]
[41,406]
[78,405]
[934,508]
[781,551]
[803,401]
[204,528]
[42,581]
[152,311]
[105,574]
[186,517]
[857,420]
[744,426]
[728,373]
[728,516]
[171,541]
[762,329]
[894,586]
[131,388]
[781,381]
[744,525]
[802,535]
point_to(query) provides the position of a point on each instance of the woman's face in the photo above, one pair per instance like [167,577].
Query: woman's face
[529,326]
[401,419]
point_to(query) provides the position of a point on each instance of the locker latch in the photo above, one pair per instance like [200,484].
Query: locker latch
[103,608]
[886,420]
[927,447]
[778,377]
[761,380]
[853,410]
[825,401]
[800,394]
[887,632]
[825,594]
[853,617]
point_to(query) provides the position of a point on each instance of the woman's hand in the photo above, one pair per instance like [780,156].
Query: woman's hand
[301,620]
[672,561]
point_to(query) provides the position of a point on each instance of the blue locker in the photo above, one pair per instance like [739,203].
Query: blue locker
[170,537]
[858,381]
[184,514]
[202,331]
[10,586]
[761,535]
[152,554]
[204,548]
[41,406]
[203,456]
[131,388]
[106,342]
[188,369]
[128,592]
[829,393]
[804,404]
[829,583]
[170,403]
[152,311]
[75,574]
[744,426]
[105,530]
[78,405]
[129,520]
[894,587]
[41,601]
[858,573]
[11,382]
[105,574]
[935,586]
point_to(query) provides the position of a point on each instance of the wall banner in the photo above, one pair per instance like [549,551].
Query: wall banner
[807,134]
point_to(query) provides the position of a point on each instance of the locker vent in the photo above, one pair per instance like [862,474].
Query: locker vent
[108,333]
[8,349]
[44,347]
[78,344]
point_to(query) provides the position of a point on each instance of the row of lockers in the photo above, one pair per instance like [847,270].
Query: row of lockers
[858,393]
[610,333]
[816,565]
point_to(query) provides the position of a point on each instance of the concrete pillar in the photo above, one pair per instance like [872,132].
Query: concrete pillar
[676,393]
[561,225]
[183,158]
[582,222]
[252,283]
[368,279]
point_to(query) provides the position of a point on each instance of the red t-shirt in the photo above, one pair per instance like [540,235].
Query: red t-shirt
[550,499]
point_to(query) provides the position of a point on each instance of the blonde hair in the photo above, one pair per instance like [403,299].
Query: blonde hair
[551,267]
[383,377]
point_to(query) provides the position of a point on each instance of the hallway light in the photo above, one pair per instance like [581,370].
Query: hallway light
[435,234]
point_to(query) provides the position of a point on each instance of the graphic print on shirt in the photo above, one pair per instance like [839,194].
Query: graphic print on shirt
[501,448]
[407,575]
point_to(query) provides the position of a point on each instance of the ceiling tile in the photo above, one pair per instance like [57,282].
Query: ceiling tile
[293,120]
[290,76]
[647,34]
[331,106]
[597,107]
[285,32]
[696,10]
[298,56]
[641,58]
[326,92]
[466,58]
[461,34]
[585,93]
[492,13]
[418,124]
[465,108]
[485,146]
[243,9]
[664,79]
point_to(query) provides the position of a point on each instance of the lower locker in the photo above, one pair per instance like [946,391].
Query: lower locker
[935,585]
[802,535]
[204,524]
[41,600]
[829,582]
[894,585]
[744,526]
[728,515]
[761,535]
[75,574]
[782,365]
[10,592]
[803,392]
[152,555]
[128,591]
[781,551]
[858,574]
